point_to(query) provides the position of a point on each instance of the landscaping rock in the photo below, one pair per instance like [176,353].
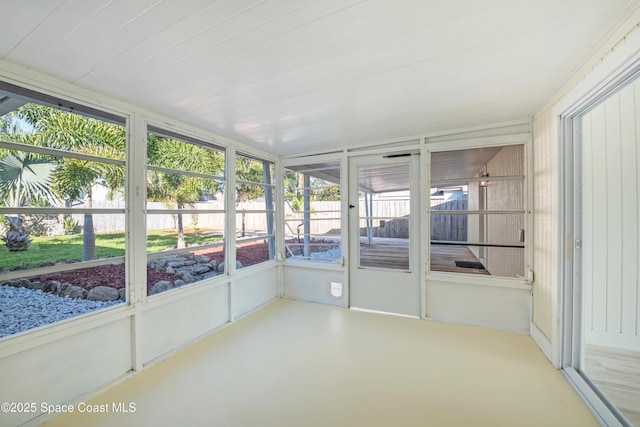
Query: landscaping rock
[161,286]
[239,265]
[52,287]
[195,270]
[35,285]
[16,283]
[179,283]
[122,294]
[202,259]
[75,292]
[220,267]
[187,277]
[103,293]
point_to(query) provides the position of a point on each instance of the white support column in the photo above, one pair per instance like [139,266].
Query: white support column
[424,188]
[230,222]
[307,215]
[368,207]
[268,201]
[280,227]
[136,230]
[344,218]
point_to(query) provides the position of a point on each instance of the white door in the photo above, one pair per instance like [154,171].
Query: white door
[384,247]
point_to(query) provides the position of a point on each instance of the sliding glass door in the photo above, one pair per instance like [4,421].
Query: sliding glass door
[604,278]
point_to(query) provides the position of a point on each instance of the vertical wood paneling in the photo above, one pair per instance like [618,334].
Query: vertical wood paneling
[473,221]
[543,218]
[629,175]
[614,214]
[610,186]
[587,218]
[595,239]
[505,195]
[547,165]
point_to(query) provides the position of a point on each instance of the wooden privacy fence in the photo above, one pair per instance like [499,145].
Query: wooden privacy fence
[452,227]
[449,226]
[392,218]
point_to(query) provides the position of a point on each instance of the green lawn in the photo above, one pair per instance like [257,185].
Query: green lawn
[51,249]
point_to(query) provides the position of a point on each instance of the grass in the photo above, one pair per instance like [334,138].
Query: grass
[51,249]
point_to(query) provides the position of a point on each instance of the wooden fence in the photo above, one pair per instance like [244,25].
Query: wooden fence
[449,226]
[325,219]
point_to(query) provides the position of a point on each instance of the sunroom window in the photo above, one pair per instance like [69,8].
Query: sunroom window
[313,212]
[62,210]
[477,211]
[255,214]
[185,210]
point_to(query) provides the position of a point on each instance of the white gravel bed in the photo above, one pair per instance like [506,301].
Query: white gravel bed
[22,309]
[331,255]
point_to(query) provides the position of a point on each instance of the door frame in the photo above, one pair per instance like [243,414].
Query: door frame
[571,337]
[413,278]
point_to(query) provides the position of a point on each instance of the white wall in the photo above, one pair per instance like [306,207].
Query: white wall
[611,221]
[499,307]
[313,283]
[548,241]
[56,364]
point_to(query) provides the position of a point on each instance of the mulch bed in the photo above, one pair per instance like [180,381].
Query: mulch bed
[113,275]
[104,275]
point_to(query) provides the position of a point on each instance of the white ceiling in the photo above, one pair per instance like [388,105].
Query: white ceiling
[293,76]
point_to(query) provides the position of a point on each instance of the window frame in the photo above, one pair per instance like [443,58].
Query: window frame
[338,163]
[57,103]
[269,195]
[500,141]
[202,142]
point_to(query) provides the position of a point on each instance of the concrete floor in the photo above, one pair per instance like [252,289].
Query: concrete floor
[303,364]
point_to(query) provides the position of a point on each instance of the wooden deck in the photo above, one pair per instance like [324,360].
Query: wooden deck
[385,253]
[394,254]
[444,257]
[617,374]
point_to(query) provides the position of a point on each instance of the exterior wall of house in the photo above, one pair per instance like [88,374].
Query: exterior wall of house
[473,222]
[621,47]
[506,195]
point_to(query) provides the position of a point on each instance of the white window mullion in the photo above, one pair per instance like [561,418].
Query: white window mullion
[230,199]
[136,230]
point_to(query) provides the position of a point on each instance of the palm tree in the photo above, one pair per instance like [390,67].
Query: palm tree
[74,178]
[24,178]
[175,188]
[251,171]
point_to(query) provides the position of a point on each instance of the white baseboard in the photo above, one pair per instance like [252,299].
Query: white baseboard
[542,341]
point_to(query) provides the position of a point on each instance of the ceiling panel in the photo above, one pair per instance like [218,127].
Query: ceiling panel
[446,165]
[293,76]
[20,18]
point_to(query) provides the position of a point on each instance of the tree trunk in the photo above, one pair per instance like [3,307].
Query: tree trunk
[88,234]
[181,242]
